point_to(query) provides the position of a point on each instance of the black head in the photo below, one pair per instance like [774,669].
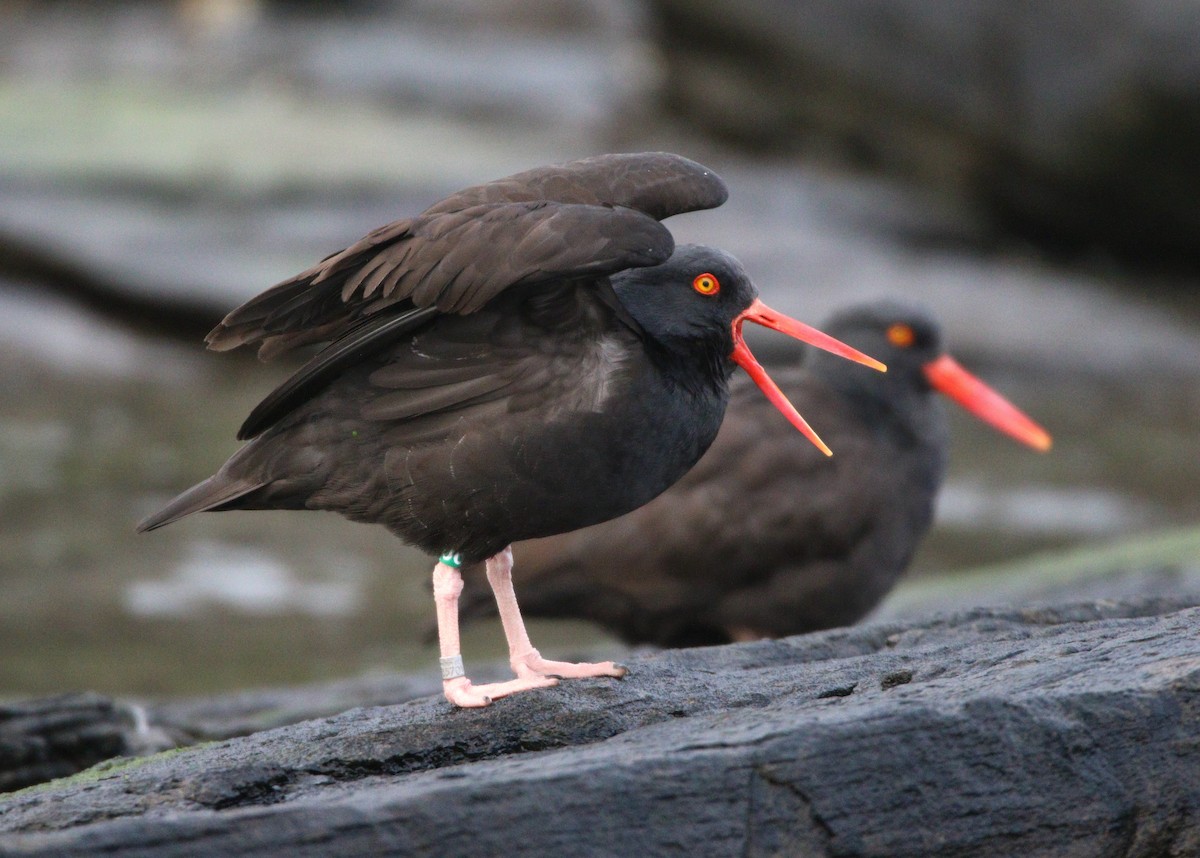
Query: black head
[904,336]
[690,301]
[909,340]
[692,308]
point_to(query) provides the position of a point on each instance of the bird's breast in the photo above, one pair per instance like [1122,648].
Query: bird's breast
[619,440]
[599,377]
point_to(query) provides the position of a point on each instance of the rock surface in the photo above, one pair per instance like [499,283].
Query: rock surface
[224,716]
[1058,731]
[57,736]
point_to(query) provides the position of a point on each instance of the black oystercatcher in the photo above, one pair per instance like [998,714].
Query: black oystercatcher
[524,358]
[815,542]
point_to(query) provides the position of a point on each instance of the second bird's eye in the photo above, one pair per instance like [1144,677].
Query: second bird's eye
[901,335]
[706,284]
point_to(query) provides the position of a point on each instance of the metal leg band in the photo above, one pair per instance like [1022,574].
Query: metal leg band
[452,666]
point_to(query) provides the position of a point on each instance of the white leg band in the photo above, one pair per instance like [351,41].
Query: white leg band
[452,666]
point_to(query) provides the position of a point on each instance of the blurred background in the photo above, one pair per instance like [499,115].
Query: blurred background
[1029,170]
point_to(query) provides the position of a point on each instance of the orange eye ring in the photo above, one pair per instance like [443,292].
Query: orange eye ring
[901,335]
[706,284]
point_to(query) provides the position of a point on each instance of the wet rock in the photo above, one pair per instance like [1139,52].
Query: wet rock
[1055,731]
[56,736]
[1074,124]
[224,716]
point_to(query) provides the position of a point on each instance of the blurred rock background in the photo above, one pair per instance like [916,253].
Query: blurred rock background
[1027,169]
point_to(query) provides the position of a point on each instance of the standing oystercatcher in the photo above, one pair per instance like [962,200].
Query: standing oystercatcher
[524,358]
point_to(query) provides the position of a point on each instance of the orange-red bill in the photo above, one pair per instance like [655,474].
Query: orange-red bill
[948,377]
[761,314]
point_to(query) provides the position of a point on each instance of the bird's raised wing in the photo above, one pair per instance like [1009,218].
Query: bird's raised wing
[586,218]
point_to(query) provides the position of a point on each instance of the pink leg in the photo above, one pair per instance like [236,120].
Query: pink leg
[447,585]
[526,661]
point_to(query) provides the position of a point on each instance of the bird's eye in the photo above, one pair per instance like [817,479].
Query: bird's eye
[706,284]
[901,335]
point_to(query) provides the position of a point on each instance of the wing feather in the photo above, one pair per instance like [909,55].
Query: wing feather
[591,217]
[326,364]
[409,403]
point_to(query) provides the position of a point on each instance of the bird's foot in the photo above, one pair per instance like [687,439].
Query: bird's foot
[461,692]
[531,664]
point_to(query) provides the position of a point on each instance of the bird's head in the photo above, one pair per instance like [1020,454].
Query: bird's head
[700,298]
[908,339]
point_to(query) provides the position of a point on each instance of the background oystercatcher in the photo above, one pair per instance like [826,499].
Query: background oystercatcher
[524,358]
[816,542]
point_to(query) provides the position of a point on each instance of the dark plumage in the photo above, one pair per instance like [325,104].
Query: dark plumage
[813,542]
[524,358]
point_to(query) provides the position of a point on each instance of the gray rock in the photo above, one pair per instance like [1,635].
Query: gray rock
[1071,122]
[224,716]
[56,736]
[1064,731]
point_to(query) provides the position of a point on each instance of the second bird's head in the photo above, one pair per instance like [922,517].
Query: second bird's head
[908,337]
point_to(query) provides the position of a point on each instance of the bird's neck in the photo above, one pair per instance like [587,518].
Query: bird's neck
[907,414]
[693,365]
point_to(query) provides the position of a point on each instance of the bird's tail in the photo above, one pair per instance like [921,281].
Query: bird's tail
[213,493]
